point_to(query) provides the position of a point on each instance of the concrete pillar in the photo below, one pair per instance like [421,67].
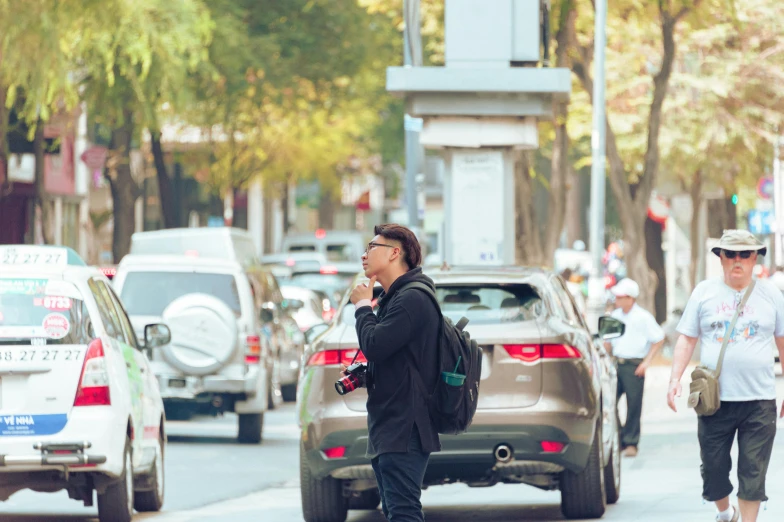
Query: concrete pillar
[256,214]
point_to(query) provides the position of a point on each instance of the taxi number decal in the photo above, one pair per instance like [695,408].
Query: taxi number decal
[40,355]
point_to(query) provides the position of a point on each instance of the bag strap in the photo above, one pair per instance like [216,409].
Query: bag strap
[414,370]
[731,329]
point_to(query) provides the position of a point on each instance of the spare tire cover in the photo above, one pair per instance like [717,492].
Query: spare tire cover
[204,334]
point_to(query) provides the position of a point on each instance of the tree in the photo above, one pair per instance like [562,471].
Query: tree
[142,63]
[724,109]
[634,155]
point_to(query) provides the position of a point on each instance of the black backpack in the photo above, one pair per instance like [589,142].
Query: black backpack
[452,408]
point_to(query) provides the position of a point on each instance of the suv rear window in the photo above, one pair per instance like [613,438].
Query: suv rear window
[490,304]
[33,311]
[149,293]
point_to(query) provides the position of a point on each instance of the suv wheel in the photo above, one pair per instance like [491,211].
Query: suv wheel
[366,500]
[322,499]
[583,494]
[250,427]
[289,392]
[612,472]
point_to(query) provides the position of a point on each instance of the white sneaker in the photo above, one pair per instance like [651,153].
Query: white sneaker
[735,516]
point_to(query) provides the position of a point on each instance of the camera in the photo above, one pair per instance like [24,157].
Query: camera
[356,377]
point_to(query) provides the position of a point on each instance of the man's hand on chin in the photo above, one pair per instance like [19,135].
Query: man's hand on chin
[363,291]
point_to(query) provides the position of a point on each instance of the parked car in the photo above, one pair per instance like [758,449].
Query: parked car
[306,306]
[222,356]
[547,406]
[81,409]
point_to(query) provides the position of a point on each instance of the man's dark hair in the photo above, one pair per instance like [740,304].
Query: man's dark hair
[411,251]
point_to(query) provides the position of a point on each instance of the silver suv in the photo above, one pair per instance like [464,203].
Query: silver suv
[220,357]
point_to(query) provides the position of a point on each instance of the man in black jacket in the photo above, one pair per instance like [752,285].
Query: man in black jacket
[400,340]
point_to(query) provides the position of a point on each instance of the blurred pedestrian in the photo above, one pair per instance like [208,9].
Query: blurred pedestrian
[633,353]
[741,318]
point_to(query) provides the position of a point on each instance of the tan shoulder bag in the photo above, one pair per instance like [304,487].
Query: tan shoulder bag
[704,394]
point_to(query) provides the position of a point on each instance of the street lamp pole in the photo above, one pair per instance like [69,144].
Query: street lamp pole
[412,58]
[598,149]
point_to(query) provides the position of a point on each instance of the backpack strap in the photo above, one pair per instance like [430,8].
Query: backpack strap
[414,370]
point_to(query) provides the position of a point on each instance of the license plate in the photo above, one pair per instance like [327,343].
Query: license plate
[40,355]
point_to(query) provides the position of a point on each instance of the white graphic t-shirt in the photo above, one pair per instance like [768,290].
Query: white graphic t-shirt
[747,373]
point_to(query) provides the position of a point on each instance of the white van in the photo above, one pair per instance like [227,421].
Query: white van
[232,244]
[336,245]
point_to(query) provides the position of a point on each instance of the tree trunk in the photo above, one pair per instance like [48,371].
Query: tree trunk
[124,189]
[528,245]
[3,140]
[326,210]
[560,160]
[44,207]
[695,192]
[284,202]
[655,257]
[574,209]
[165,191]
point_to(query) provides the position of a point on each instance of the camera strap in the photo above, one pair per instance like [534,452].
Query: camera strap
[355,356]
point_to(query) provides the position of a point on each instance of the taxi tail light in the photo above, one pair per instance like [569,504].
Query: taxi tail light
[252,349]
[93,387]
[335,357]
[531,353]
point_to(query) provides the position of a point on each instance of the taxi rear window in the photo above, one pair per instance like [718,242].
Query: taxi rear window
[42,311]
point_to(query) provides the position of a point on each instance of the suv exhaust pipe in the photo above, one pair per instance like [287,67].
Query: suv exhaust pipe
[503,453]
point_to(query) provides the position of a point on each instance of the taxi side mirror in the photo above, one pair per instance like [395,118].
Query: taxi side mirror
[156,335]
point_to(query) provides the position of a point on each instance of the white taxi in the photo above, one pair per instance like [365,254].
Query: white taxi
[80,409]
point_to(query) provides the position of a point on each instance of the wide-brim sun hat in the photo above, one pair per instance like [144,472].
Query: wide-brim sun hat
[626,288]
[739,241]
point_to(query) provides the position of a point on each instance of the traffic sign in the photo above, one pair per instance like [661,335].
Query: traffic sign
[761,222]
[94,157]
[765,187]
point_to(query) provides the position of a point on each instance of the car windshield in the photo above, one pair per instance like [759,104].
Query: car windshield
[37,311]
[149,293]
[480,303]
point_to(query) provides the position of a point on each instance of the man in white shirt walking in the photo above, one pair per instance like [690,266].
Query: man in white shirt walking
[747,382]
[633,353]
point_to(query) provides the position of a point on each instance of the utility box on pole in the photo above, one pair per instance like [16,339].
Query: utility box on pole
[480,109]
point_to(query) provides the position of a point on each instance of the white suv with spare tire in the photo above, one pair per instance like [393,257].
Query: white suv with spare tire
[219,360]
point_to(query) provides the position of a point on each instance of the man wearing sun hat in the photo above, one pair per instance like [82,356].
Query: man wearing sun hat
[633,353]
[747,382]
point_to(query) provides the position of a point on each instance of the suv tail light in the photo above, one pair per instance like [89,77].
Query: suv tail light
[252,349]
[335,357]
[530,353]
[93,387]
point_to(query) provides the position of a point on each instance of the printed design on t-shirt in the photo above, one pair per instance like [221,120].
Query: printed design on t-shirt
[745,331]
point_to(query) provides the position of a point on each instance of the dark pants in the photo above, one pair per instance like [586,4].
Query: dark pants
[633,387]
[755,424]
[399,477]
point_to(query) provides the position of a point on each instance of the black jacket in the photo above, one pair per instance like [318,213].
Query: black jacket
[403,334]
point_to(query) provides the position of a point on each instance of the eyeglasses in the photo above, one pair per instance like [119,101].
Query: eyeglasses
[730,254]
[372,244]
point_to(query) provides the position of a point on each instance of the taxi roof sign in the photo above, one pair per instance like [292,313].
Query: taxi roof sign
[39,255]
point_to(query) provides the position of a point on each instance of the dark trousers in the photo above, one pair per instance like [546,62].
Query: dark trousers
[399,477]
[633,387]
[755,424]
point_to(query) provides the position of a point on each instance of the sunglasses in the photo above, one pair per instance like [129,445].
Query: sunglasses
[730,254]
